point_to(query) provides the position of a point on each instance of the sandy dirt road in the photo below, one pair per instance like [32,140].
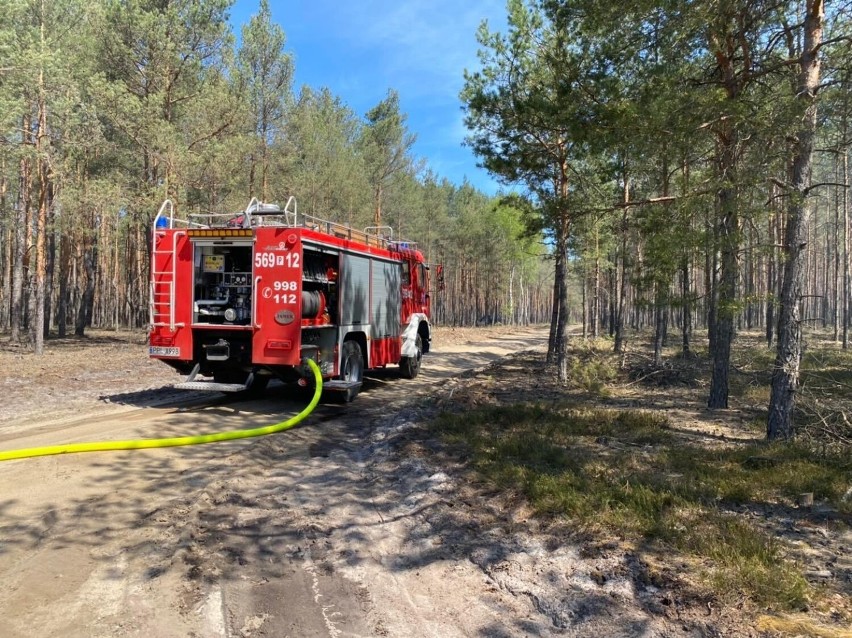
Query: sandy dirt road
[327,530]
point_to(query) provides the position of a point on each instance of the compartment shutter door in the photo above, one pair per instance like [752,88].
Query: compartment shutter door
[386,300]
[354,290]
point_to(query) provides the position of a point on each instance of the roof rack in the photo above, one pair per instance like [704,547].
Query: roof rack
[259,213]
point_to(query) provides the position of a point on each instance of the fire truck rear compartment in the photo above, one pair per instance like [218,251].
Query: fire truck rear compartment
[222,288]
[221,309]
[223,306]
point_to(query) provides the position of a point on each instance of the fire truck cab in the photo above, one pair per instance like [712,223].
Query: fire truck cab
[242,298]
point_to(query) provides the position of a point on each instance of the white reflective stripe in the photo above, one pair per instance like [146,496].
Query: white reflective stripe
[409,335]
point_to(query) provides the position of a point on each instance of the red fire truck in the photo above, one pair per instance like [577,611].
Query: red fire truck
[241,298]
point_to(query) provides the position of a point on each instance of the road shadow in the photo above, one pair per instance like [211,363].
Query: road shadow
[341,492]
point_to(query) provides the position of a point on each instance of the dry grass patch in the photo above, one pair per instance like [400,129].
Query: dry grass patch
[624,471]
[803,627]
[703,491]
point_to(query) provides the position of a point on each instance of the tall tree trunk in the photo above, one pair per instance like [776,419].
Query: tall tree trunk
[553,339]
[22,215]
[143,276]
[847,276]
[621,302]
[51,266]
[596,302]
[748,269]
[513,319]
[711,265]
[662,290]
[377,214]
[8,245]
[660,312]
[785,373]
[64,284]
[837,292]
[562,323]
[44,187]
[685,293]
[41,231]
[686,276]
[611,284]
[84,314]
[44,203]
[584,301]
[771,270]
[264,178]
[6,278]
[729,239]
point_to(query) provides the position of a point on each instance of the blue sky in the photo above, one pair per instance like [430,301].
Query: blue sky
[361,48]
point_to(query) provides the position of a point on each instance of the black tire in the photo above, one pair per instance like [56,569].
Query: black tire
[258,385]
[229,375]
[409,367]
[351,368]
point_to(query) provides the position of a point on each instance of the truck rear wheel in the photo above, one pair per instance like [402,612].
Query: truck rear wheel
[351,368]
[410,366]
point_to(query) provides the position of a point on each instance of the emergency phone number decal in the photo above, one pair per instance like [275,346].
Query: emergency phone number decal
[270,260]
[281,288]
[280,294]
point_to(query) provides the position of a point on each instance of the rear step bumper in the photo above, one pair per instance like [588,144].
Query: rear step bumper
[212,386]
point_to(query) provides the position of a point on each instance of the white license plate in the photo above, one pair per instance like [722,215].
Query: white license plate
[160,351]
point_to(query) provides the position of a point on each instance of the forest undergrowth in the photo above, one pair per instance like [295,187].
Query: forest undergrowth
[628,451]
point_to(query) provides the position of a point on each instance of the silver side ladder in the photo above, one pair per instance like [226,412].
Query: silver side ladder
[164,269]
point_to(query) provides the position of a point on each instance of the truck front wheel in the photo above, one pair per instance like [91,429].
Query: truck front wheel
[410,366]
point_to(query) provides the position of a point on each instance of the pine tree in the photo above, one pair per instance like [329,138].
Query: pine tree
[530,111]
[386,145]
[264,76]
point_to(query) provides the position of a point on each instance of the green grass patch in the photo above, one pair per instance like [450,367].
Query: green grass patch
[824,364]
[593,375]
[828,370]
[593,365]
[626,472]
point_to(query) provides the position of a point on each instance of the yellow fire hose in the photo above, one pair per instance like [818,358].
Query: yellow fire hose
[142,444]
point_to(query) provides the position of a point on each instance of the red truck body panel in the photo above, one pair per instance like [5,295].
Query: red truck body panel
[241,297]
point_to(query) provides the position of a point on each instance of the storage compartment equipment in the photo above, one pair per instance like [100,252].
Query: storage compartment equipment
[223,283]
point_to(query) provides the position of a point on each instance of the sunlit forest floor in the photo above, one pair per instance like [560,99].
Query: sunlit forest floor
[96,371]
[687,509]
[629,460]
